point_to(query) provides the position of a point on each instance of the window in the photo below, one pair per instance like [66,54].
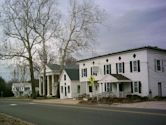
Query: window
[68,89]
[109,87]
[159,65]
[94,70]
[27,88]
[78,89]
[64,77]
[84,72]
[61,89]
[107,69]
[120,67]
[135,66]
[105,87]
[137,87]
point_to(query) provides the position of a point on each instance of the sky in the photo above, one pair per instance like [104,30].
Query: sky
[127,24]
[131,24]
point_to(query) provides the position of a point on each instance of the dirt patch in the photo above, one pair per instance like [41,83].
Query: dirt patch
[9,120]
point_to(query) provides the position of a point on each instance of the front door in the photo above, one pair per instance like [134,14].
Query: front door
[159,89]
[121,87]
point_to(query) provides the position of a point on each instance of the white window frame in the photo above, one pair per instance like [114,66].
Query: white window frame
[68,88]
[135,66]
[160,65]
[136,87]
[84,72]
[107,69]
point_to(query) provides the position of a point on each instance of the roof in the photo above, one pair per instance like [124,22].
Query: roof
[120,77]
[114,78]
[54,66]
[73,73]
[129,50]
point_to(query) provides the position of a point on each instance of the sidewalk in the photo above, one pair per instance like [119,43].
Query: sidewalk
[147,105]
[58,101]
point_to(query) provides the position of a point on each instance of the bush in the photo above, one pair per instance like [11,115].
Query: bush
[160,98]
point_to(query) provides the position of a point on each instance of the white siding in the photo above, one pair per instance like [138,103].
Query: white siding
[113,59]
[156,76]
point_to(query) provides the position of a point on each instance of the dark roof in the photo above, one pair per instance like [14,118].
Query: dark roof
[73,73]
[120,77]
[140,48]
[54,66]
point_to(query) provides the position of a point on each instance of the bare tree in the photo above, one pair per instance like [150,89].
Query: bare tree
[24,21]
[45,25]
[79,30]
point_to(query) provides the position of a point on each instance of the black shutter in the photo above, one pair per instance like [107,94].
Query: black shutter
[155,65]
[123,68]
[91,71]
[86,72]
[140,87]
[138,65]
[82,72]
[131,66]
[162,65]
[104,69]
[131,87]
[110,68]
[116,68]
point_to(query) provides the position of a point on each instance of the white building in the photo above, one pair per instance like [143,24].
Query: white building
[69,83]
[21,89]
[51,82]
[140,71]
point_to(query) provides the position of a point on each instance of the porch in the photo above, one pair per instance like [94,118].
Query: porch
[114,85]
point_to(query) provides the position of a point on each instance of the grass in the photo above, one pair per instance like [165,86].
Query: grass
[9,120]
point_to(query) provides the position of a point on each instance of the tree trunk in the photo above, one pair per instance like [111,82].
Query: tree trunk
[32,78]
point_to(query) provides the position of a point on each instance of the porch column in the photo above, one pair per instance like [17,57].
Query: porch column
[53,86]
[117,89]
[44,84]
[40,87]
[48,86]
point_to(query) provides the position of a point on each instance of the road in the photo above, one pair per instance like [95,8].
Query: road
[47,114]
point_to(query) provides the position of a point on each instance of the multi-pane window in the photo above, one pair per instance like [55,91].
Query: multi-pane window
[135,66]
[107,69]
[159,66]
[107,87]
[94,70]
[158,62]
[136,87]
[68,89]
[84,72]
[120,67]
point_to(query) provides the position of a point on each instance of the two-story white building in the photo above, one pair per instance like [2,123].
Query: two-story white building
[140,71]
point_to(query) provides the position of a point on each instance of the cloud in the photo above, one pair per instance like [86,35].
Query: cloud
[144,25]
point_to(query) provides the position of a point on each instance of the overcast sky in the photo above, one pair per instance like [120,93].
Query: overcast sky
[128,24]
[131,24]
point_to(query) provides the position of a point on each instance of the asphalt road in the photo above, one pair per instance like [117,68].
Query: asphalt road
[46,114]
